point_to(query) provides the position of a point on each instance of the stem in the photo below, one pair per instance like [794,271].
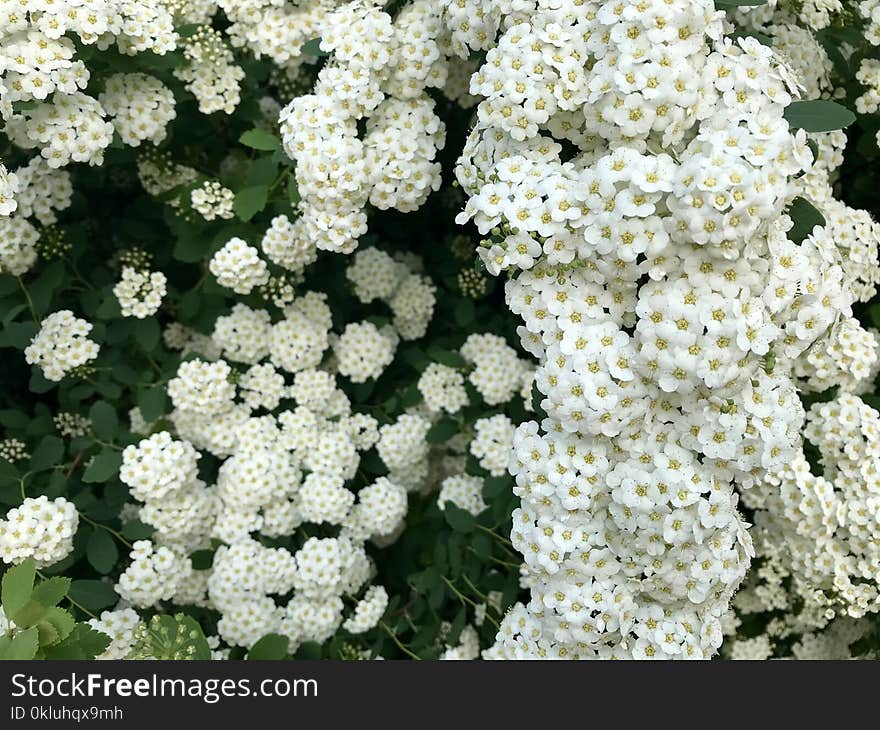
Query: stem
[108,445]
[397,641]
[72,602]
[461,596]
[81,607]
[30,302]
[494,534]
[113,532]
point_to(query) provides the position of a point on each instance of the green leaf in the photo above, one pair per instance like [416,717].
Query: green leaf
[447,357]
[309,650]
[190,247]
[38,382]
[458,519]
[104,466]
[49,453]
[482,545]
[263,171]
[104,420]
[464,312]
[313,48]
[805,218]
[21,646]
[537,399]
[728,4]
[101,551]
[250,201]
[293,191]
[93,594]
[51,591]
[271,646]
[55,626]
[442,431]
[8,473]
[494,487]
[153,403]
[137,530]
[17,586]
[147,333]
[202,559]
[109,309]
[84,642]
[177,637]
[457,626]
[260,139]
[818,115]
[18,334]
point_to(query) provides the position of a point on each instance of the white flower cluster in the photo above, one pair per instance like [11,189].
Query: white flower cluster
[285,470]
[140,293]
[38,65]
[70,127]
[410,295]
[464,491]
[42,191]
[211,74]
[498,371]
[442,388]
[210,199]
[378,76]
[275,29]
[9,189]
[141,107]
[38,528]
[285,248]
[61,345]
[154,574]
[826,529]
[120,626]
[363,351]
[665,301]
[18,240]
[239,267]
[870,10]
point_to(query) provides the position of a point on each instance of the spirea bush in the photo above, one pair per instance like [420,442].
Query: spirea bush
[444,329]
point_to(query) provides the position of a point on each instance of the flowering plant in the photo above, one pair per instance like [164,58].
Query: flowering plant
[452,329]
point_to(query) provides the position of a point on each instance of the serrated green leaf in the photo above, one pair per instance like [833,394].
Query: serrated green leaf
[17,586]
[84,642]
[20,647]
[51,591]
